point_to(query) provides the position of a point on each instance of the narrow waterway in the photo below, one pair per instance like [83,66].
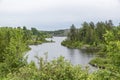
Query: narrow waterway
[55,49]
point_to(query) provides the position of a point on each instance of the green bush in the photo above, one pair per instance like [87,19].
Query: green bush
[58,69]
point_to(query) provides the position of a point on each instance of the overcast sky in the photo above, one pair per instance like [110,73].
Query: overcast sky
[57,14]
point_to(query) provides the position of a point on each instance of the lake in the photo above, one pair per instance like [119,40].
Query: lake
[55,49]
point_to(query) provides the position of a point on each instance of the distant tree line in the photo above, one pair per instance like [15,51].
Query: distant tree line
[57,33]
[89,33]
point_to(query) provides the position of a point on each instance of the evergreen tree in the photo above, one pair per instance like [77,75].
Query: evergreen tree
[72,33]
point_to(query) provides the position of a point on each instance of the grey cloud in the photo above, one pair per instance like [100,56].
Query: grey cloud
[60,16]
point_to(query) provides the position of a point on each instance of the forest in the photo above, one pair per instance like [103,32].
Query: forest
[103,36]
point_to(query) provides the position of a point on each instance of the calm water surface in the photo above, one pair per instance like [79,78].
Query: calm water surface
[54,50]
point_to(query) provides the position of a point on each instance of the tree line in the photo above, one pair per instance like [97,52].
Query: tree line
[89,33]
[103,35]
[14,42]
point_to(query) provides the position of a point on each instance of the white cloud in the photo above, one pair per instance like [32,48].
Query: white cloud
[56,12]
[26,5]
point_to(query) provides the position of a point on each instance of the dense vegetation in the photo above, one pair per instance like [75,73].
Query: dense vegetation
[12,45]
[103,36]
[89,34]
[14,42]
[34,36]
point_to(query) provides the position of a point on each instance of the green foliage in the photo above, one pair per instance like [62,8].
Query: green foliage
[72,44]
[27,34]
[106,37]
[12,46]
[111,51]
[100,62]
[13,43]
[113,47]
[57,69]
[72,34]
[89,33]
[34,36]
[104,75]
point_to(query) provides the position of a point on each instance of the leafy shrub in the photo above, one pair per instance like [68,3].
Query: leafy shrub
[58,69]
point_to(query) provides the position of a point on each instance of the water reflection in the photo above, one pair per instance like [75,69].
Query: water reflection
[54,50]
